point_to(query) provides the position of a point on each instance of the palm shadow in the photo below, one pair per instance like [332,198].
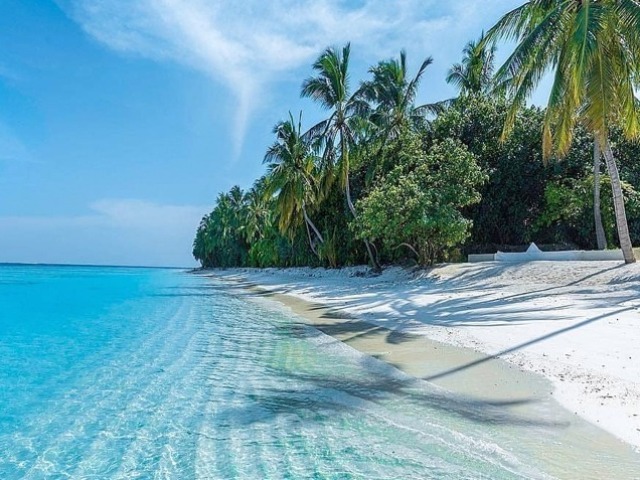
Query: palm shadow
[313,395]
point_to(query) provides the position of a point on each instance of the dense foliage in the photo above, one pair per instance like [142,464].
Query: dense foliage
[592,49]
[418,204]
[568,209]
[383,180]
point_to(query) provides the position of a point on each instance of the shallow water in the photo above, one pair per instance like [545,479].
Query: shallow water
[147,373]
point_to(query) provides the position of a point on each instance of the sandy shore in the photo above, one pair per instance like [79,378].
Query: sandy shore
[575,323]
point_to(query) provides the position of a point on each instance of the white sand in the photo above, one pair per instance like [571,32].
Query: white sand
[589,310]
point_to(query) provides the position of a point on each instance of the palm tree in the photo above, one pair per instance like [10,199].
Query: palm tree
[474,75]
[330,88]
[393,94]
[200,247]
[225,214]
[237,201]
[291,176]
[257,213]
[224,238]
[593,49]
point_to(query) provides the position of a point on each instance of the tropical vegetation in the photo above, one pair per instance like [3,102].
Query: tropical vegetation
[593,50]
[384,179]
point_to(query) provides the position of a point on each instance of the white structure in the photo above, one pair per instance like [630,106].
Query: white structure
[534,253]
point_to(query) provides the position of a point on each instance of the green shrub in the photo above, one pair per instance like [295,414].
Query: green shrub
[418,203]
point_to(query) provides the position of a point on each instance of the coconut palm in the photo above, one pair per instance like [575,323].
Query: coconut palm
[474,75]
[593,50]
[201,248]
[222,231]
[225,215]
[330,88]
[393,94]
[257,216]
[291,177]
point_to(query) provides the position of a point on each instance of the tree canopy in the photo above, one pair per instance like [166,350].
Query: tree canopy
[386,179]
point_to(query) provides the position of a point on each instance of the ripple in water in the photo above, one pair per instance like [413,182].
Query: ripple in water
[143,373]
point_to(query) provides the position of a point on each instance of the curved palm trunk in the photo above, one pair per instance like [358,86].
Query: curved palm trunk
[311,224]
[347,191]
[311,244]
[597,213]
[618,203]
[352,208]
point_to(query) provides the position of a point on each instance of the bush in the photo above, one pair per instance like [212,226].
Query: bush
[568,210]
[418,203]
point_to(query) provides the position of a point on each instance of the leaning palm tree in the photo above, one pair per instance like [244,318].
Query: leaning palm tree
[393,93]
[474,75]
[593,49]
[330,88]
[291,177]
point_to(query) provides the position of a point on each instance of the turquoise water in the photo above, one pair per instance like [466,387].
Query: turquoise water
[148,373]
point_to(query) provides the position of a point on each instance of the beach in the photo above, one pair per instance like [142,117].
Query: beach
[576,324]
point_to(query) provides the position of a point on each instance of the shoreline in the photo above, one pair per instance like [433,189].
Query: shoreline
[358,307]
[460,370]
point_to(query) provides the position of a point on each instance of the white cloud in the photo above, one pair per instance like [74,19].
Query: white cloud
[120,213]
[142,214]
[245,44]
[115,231]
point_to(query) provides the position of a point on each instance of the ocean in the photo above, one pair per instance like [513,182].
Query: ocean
[134,373]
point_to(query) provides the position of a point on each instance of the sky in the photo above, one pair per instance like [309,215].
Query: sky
[121,120]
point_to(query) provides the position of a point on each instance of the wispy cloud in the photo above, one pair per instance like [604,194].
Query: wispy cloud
[128,213]
[245,44]
[120,213]
[113,231]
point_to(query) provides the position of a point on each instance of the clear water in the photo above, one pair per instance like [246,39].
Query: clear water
[145,373]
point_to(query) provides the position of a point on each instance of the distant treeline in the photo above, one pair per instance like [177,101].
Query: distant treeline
[384,180]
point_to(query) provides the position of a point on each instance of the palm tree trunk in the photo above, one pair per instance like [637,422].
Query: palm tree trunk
[618,203]
[347,190]
[313,248]
[352,208]
[345,166]
[597,213]
[311,224]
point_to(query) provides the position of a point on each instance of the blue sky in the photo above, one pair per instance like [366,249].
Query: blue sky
[121,120]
